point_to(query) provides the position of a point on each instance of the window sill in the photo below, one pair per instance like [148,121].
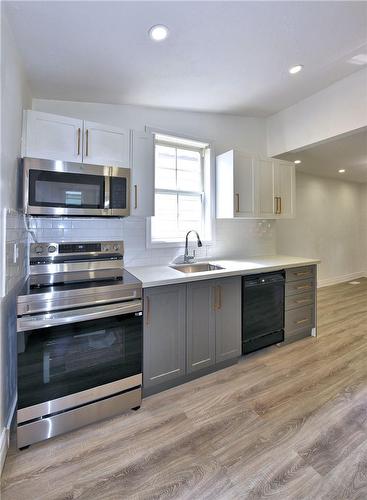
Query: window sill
[174,244]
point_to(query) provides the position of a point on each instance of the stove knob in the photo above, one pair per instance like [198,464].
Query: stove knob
[116,248]
[39,249]
[51,249]
[106,249]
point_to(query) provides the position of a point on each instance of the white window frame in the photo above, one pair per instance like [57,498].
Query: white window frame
[208,189]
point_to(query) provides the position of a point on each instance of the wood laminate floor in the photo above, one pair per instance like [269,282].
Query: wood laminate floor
[285,423]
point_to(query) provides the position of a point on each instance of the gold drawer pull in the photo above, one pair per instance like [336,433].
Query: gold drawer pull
[147,318]
[237,202]
[136,196]
[304,273]
[302,321]
[304,287]
[301,301]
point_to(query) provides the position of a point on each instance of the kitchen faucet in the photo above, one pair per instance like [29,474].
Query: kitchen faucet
[190,258]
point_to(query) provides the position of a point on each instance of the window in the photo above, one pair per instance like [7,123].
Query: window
[181,189]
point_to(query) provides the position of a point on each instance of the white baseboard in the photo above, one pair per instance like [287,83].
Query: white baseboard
[4,445]
[5,436]
[341,279]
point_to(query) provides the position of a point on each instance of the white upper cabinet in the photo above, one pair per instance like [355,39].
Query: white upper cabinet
[142,175]
[56,137]
[235,181]
[284,189]
[105,145]
[52,137]
[265,187]
[253,187]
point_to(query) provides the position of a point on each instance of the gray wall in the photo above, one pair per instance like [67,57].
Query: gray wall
[328,225]
[15,95]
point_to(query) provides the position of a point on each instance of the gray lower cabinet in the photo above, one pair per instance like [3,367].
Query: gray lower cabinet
[201,296]
[188,328]
[164,353]
[300,303]
[228,319]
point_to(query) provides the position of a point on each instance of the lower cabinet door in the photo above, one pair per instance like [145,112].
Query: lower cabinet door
[164,334]
[200,325]
[228,319]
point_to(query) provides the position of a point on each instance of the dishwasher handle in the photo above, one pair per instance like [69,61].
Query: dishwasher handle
[264,279]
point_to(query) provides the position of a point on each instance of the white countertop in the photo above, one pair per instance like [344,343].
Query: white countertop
[164,275]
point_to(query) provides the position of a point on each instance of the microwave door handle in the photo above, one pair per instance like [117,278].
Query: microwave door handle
[27,323]
[107,191]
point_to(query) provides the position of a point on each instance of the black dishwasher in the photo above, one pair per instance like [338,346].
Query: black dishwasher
[262,311]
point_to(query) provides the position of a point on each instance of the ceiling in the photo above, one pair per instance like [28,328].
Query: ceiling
[220,56]
[347,152]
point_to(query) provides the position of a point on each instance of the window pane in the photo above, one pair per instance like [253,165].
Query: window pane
[189,176]
[165,167]
[189,213]
[164,224]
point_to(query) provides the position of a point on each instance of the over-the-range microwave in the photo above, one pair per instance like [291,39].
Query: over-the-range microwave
[58,188]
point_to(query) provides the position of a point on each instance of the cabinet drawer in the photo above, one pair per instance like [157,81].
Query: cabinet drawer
[299,300]
[301,286]
[299,318]
[297,335]
[299,273]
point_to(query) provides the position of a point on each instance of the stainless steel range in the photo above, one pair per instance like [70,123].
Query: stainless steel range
[79,339]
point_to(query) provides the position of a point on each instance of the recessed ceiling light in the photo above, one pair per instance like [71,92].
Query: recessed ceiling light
[341,171]
[158,32]
[297,162]
[295,69]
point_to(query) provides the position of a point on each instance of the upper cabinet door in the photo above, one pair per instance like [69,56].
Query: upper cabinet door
[52,137]
[265,187]
[235,181]
[285,186]
[244,186]
[105,145]
[142,164]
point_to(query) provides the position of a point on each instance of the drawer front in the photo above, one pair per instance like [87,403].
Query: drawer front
[299,300]
[302,286]
[300,318]
[300,273]
[297,335]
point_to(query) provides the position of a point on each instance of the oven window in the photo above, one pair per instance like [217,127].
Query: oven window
[62,360]
[67,190]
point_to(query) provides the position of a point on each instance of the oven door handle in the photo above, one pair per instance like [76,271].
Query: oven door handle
[26,323]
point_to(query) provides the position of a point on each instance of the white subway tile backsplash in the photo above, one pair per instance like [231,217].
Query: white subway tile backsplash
[233,238]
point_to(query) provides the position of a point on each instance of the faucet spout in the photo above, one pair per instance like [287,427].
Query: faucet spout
[187,257]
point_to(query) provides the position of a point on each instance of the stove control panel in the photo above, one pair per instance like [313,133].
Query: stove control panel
[88,248]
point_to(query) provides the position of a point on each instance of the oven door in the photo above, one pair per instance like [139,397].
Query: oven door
[61,188]
[119,189]
[71,358]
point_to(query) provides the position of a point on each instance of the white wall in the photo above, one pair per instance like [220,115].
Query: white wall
[338,109]
[328,226]
[15,96]
[232,238]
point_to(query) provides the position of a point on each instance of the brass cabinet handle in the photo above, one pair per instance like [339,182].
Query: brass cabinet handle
[302,301]
[302,321]
[304,273]
[219,298]
[237,202]
[147,317]
[86,142]
[78,141]
[280,205]
[277,205]
[214,298]
[136,195]
[304,287]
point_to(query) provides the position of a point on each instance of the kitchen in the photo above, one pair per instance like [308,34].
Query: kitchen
[175,277]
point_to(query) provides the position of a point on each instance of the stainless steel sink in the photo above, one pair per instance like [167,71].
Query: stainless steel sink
[196,268]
